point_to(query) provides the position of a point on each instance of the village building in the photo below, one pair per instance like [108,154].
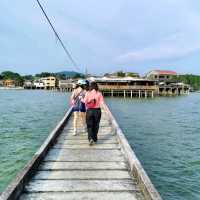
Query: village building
[126,86]
[8,83]
[49,82]
[28,85]
[65,85]
[167,83]
[38,84]
[161,75]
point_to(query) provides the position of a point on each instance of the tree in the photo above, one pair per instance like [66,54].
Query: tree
[9,75]
[106,74]
[13,76]
[28,77]
[132,74]
[60,76]
[77,75]
[192,80]
[44,74]
[121,74]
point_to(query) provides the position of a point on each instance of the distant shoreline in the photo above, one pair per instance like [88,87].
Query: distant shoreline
[11,88]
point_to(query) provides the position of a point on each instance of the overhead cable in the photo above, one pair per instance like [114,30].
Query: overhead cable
[58,37]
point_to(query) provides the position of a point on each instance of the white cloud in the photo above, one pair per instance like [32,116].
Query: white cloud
[176,46]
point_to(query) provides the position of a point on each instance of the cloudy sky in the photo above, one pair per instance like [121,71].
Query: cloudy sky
[102,36]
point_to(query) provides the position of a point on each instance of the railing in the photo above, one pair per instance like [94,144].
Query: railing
[136,168]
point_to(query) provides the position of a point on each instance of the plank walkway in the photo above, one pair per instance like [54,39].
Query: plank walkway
[67,168]
[76,171]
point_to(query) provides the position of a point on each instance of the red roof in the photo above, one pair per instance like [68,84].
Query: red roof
[165,72]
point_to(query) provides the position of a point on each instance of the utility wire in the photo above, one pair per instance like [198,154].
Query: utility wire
[58,37]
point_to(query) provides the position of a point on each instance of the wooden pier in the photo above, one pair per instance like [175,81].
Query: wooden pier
[67,168]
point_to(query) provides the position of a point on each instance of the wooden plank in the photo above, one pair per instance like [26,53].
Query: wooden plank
[82,196]
[74,141]
[83,166]
[86,146]
[82,132]
[84,137]
[82,174]
[84,155]
[74,170]
[80,186]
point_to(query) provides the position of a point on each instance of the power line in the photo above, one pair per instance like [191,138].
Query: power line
[58,37]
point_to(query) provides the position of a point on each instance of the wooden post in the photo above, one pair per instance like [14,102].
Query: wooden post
[131,94]
[152,94]
[111,93]
[139,94]
[145,94]
[124,93]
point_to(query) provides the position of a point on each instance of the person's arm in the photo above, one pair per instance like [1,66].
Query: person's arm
[85,99]
[73,95]
[101,101]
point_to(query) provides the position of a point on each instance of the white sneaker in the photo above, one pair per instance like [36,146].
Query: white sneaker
[75,132]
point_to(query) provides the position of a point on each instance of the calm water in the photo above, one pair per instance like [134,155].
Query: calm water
[164,132]
[26,118]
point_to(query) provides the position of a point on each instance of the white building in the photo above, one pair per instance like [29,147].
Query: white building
[38,84]
[161,75]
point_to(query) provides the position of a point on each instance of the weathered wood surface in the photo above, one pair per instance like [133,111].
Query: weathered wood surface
[73,170]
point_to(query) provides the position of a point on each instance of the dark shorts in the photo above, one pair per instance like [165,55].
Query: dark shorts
[79,108]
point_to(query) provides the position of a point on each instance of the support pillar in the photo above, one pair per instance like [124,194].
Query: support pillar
[152,94]
[111,93]
[124,93]
[145,94]
[139,94]
[131,94]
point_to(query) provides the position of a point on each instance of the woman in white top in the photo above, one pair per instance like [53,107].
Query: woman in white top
[79,110]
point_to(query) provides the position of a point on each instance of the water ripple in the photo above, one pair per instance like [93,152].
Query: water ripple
[26,119]
[164,133]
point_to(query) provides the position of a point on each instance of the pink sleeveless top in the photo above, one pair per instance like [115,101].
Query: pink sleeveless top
[91,96]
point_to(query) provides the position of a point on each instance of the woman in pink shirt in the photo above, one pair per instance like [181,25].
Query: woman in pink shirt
[93,101]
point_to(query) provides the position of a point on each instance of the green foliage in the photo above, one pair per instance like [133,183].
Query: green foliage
[44,74]
[9,75]
[192,80]
[28,77]
[47,74]
[132,74]
[13,76]
[79,76]
[60,76]
[121,74]
[106,74]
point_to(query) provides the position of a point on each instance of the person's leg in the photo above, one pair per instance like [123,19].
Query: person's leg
[75,122]
[97,118]
[89,122]
[83,116]
[83,120]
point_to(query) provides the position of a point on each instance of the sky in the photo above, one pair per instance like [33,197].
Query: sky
[102,36]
